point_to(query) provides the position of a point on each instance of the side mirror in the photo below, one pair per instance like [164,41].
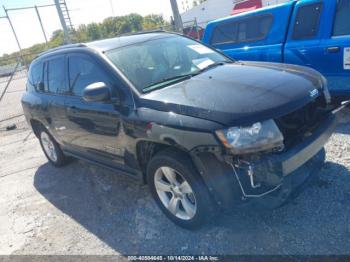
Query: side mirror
[97,92]
[41,86]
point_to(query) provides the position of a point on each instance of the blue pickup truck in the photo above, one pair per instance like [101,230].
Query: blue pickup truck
[314,33]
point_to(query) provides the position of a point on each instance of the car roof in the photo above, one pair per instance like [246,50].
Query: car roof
[112,43]
[126,40]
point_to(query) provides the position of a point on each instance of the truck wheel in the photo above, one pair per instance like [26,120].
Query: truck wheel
[51,149]
[178,189]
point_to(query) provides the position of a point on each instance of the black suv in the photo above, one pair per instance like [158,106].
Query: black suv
[203,131]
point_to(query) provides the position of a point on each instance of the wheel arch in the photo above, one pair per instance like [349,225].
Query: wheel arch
[36,125]
[215,173]
[146,149]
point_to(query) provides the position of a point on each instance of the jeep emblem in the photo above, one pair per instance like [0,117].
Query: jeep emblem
[313,93]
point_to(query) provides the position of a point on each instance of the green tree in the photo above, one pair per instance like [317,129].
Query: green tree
[56,39]
[93,31]
[135,22]
[110,27]
[153,22]
[80,35]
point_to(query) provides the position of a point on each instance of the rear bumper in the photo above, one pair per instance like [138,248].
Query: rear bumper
[275,176]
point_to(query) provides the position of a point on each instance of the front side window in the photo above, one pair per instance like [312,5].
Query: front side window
[163,60]
[247,30]
[307,21]
[55,81]
[83,72]
[342,18]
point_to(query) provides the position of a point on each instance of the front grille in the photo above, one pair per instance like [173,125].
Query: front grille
[300,124]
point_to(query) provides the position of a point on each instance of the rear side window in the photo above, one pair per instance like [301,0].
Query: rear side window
[54,76]
[247,30]
[225,34]
[35,76]
[307,21]
[342,18]
[254,29]
[83,72]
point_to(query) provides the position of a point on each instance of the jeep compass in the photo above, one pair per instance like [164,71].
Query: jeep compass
[204,132]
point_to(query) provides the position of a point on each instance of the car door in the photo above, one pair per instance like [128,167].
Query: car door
[94,128]
[35,80]
[303,46]
[53,88]
[336,47]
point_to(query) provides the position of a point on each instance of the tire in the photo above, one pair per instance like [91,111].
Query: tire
[188,205]
[52,149]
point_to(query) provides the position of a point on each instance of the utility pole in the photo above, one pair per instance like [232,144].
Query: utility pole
[112,8]
[15,35]
[63,22]
[177,16]
[41,23]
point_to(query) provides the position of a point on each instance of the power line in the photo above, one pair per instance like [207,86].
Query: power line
[27,7]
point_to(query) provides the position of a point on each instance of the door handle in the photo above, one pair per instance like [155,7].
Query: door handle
[333,49]
[72,109]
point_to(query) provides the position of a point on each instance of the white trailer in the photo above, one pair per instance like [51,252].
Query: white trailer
[214,9]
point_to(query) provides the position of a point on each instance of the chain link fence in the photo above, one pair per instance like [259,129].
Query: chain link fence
[13,68]
[13,74]
[193,29]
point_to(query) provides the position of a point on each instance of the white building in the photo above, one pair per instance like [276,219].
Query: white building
[214,9]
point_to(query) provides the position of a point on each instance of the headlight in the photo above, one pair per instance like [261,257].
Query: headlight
[260,136]
[326,93]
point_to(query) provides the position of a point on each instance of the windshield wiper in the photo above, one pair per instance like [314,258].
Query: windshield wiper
[212,66]
[167,81]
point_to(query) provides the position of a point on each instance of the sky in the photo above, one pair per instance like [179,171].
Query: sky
[28,29]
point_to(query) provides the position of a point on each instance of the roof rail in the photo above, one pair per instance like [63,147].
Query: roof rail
[60,48]
[85,45]
[144,32]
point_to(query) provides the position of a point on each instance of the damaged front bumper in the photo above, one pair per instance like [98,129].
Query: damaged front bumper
[269,177]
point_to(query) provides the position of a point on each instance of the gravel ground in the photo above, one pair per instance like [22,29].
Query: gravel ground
[83,209]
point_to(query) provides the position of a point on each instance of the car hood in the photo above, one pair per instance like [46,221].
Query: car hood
[239,93]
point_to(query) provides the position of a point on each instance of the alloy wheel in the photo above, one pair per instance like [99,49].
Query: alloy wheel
[48,146]
[175,193]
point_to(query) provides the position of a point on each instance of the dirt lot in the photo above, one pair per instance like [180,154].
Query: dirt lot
[82,209]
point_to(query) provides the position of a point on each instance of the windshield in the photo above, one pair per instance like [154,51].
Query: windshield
[160,62]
